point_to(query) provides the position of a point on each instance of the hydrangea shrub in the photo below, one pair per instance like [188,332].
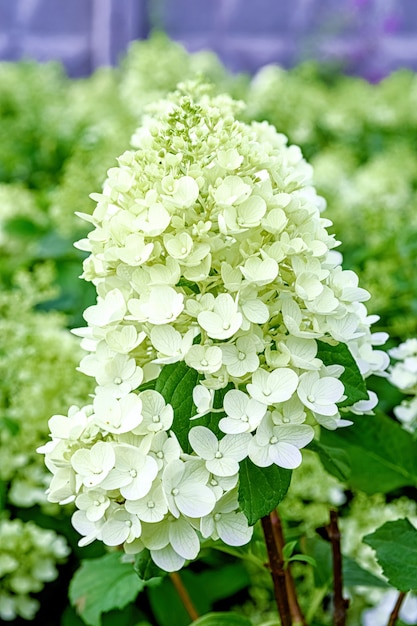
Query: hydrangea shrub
[225,334]
[29,556]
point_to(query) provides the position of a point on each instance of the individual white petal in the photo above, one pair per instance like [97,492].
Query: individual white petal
[297,434]
[203,441]
[195,499]
[84,526]
[224,466]
[184,539]
[285,455]
[259,454]
[235,446]
[255,311]
[203,399]
[207,526]
[186,192]
[155,536]
[166,339]
[328,390]
[167,559]
[233,529]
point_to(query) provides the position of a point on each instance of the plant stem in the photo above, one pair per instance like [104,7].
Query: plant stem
[184,595]
[340,603]
[396,610]
[295,610]
[276,564]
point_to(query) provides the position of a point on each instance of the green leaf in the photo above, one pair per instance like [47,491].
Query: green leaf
[176,383]
[222,619]
[224,581]
[101,585]
[304,558]
[355,387]
[334,460]
[145,568]
[355,576]
[261,489]
[395,544]
[288,549]
[188,285]
[382,455]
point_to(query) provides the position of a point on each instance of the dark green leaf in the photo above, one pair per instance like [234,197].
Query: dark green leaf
[224,581]
[382,455]
[176,383]
[261,489]
[188,285]
[355,387]
[334,460]
[395,544]
[101,585]
[222,619]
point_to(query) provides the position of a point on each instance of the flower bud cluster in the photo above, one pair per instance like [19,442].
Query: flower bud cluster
[208,248]
[28,559]
[403,374]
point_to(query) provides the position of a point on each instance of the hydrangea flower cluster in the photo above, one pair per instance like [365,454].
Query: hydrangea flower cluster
[403,374]
[208,250]
[28,559]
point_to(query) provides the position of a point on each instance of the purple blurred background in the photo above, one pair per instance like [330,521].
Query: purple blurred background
[370,38]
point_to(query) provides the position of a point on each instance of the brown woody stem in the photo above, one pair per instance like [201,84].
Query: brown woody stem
[295,609]
[396,610]
[184,595]
[276,565]
[340,603]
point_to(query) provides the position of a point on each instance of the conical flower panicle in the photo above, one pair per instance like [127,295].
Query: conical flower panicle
[208,249]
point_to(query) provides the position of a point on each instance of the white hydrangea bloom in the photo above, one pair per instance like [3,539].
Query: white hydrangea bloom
[279,444]
[208,249]
[227,522]
[185,486]
[221,457]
